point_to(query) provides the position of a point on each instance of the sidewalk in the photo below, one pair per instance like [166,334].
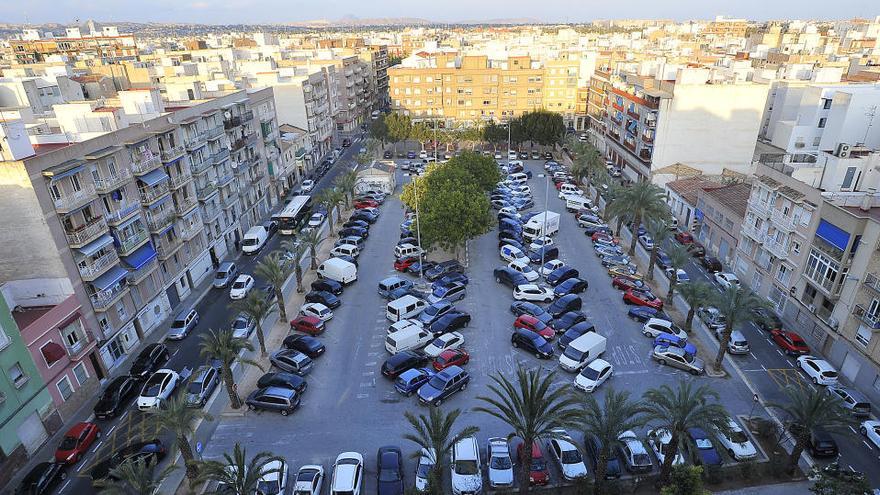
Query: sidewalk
[794,488]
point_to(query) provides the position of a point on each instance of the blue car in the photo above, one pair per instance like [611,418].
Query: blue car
[667,339]
[410,154]
[450,279]
[570,286]
[410,380]
[644,313]
[525,217]
[705,453]
[435,311]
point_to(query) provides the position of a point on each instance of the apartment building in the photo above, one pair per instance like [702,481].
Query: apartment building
[379,59]
[719,213]
[105,45]
[682,195]
[131,220]
[597,113]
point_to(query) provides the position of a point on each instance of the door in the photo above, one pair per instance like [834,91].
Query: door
[173,298]
[32,433]
[99,371]
[850,367]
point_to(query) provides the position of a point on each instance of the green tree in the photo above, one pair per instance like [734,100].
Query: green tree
[258,307]
[659,232]
[685,480]
[327,199]
[828,484]
[808,408]
[296,250]
[274,270]
[543,127]
[176,417]
[452,212]
[434,432]
[134,477]
[235,473]
[532,407]
[677,410]
[616,208]
[695,294]
[494,134]
[607,422]
[399,127]
[379,130]
[678,257]
[226,348]
[312,240]
[482,168]
[422,133]
[738,305]
[346,182]
[644,201]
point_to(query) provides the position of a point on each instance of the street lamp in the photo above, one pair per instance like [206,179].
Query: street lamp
[546,204]
[415,184]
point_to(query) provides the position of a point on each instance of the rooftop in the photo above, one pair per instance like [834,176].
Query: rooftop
[26,316]
[735,196]
[688,188]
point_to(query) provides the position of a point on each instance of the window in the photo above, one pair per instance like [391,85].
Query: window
[822,123]
[81,373]
[848,178]
[826,103]
[822,269]
[757,280]
[17,376]
[64,387]
[120,310]
[783,274]
[863,336]
[796,247]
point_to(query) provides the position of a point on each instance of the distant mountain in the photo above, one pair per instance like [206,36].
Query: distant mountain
[352,21]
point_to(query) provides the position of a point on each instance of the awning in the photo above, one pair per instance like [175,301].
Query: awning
[63,170]
[140,257]
[153,177]
[107,280]
[832,234]
[166,229]
[96,245]
[52,352]
[69,320]
[127,222]
[160,202]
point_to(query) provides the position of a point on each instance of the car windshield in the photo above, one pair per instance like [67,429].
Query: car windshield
[178,324]
[500,462]
[539,464]
[641,460]
[152,390]
[437,382]
[589,373]
[221,275]
[738,436]
[239,324]
[249,242]
[703,443]
[238,285]
[389,475]
[424,469]
[68,443]
[571,457]
[268,487]
[194,388]
[466,467]
[572,353]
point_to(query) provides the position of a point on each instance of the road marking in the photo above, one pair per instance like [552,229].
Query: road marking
[866,444]
[98,445]
[780,353]
[368,373]
[112,428]
[853,429]
[764,368]
[175,352]
[753,355]
[64,486]
[851,468]
[632,372]
[371,363]
[362,396]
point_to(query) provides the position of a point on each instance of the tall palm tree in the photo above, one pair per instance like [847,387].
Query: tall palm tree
[258,307]
[273,269]
[134,477]
[434,433]
[660,233]
[226,348]
[235,472]
[695,294]
[338,198]
[532,407]
[644,200]
[345,182]
[809,408]
[296,250]
[738,305]
[679,409]
[312,240]
[176,417]
[678,257]
[617,208]
[606,422]
[327,198]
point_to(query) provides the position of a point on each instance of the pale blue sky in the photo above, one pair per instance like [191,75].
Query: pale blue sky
[279,11]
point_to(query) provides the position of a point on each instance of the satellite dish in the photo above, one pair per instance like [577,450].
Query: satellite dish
[227,115]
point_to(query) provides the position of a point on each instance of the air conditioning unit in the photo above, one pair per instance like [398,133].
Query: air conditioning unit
[812,308]
[842,150]
[833,323]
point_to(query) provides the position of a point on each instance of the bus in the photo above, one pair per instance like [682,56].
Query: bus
[294,215]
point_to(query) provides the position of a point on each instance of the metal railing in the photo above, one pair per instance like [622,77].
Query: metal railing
[778,249]
[760,208]
[214,133]
[196,140]
[190,231]
[179,180]
[754,233]
[143,165]
[221,155]
[166,248]
[92,268]
[102,300]
[872,281]
[225,180]
[172,153]
[206,192]
[112,182]
[134,240]
[231,122]
[202,166]
[186,204]
[138,275]
[867,317]
[149,195]
[781,221]
[249,115]
[87,232]
[122,213]
[159,220]
[71,200]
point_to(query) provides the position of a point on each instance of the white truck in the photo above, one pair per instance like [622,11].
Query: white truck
[544,223]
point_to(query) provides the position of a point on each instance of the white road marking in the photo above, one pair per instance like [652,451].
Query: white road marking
[763,367]
[851,468]
[780,353]
[371,363]
[64,486]
[98,445]
[632,372]
[867,445]
[853,429]
[175,352]
[753,355]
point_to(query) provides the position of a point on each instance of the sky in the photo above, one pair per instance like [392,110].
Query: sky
[281,11]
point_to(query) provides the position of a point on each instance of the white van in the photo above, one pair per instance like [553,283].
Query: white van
[405,307]
[569,189]
[408,339]
[345,250]
[517,178]
[581,351]
[467,474]
[254,239]
[575,203]
[339,270]
[406,251]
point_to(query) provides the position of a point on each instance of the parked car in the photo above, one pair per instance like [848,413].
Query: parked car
[526,308]
[594,448]
[711,264]
[184,323]
[703,450]
[509,277]
[443,385]
[241,286]
[499,464]
[449,322]
[157,389]
[532,324]
[150,451]
[644,313]
[327,285]
[226,273]
[402,361]
[735,440]
[242,326]
[726,280]
[569,302]
[790,342]
[566,320]
[574,332]
[633,453]
[540,472]
[412,379]
[149,360]
[594,374]
[44,477]
[283,380]
[310,325]
[389,471]
[642,298]
[531,342]
[532,292]
[305,344]
[452,340]
[283,400]
[712,317]
[654,327]
[851,399]
[570,286]
[201,385]
[659,440]
[820,371]
[75,443]
[568,458]
[115,397]
[451,357]
[443,268]
[316,310]
[678,358]
[291,361]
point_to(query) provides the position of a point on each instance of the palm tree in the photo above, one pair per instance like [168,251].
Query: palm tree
[738,305]
[809,408]
[134,477]
[606,422]
[345,182]
[273,269]
[530,408]
[695,294]
[235,472]
[226,348]
[296,250]
[338,198]
[617,208]
[326,198]
[179,419]
[434,433]
[258,307]
[677,410]
[312,240]
[643,200]
[678,257]
[660,233]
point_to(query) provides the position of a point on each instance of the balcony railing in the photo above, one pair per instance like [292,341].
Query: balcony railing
[647,138]
[231,122]
[754,233]
[151,194]
[167,248]
[187,232]
[102,300]
[214,133]
[221,155]
[206,192]
[91,269]
[111,182]
[229,201]
[257,178]
[177,181]
[71,200]
[873,282]
[185,204]
[196,140]
[143,165]
[87,233]
[781,221]
[760,208]
[161,219]
[632,114]
[870,319]
[202,166]
[172,153]
[127,245]
[225,180]
[211,213]
[778,249]
[249,115]
[122,213]
[81,344]
[645,155]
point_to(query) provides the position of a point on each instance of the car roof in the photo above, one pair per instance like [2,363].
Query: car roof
[225,266]
[279,392]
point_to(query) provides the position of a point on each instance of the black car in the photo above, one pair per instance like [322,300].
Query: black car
[388,155]
[443,268]
[510,236]
[389,477]
[822,444]
[767,319]
[408,240]
[589,231]
[323,297]
[509,277]
[561,274]
[696,249]
[511,242]
[594,448]
[354,231]
[711,264]
[574,332]
[564,304]
[152,451]
[567,320]
[327,285]
[402,361]
[305,344]
[271,227]
[449,322]
[283,380]
[570,286]
[531,342]
[115,397]
[356,223]
[43,478]
[424,266]
[528,308]
[365,216]
[663,259]
[148,361]
[544,254]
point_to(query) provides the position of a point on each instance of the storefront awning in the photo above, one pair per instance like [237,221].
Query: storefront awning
[140,257]
[153,177]
[107,280]
[52,352]
[96,245]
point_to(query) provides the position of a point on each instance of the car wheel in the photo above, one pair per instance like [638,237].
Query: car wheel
[464,386]
[661,361]
[646,334]
[284,412]
[63,475]
[695,372]
[547,300]
[515,344]
[251,407]
[863,431]
[438,402]
[815,381]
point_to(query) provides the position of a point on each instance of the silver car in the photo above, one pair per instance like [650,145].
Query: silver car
[678,358]
[203,383]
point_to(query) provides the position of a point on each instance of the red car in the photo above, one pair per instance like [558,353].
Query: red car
[402,264]
[626,283]
[451,357]
[307,324]
[605,237]
[540,473]
[684,238]
[76,442]
[790,342]
[533,324]
[642,298]
[365,203]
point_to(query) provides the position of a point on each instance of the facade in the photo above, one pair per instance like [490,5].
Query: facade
[681,196]
[719,213]
[379,58]
[107,45]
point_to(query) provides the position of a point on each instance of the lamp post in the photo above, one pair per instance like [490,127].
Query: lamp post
[415,184]
[546,204]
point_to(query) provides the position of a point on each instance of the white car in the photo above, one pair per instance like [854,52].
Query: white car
[423,154]
[423,469]
[871,429]
[681,276]
[819,370]
[348,474]
[512,253]
[655,326]
[549,266]
[309,479]
[157,388]
[500,466]
[568,457]
[307,186]
[726,280]
[275,479]
[509,210]
[647,242]
[540,242]
[511,155]
[240,288]
[400,325]
[316,219]
[736,441]
[317,310]
[532,292]
[452,340]
[497,155]
[593,375]
[522,266]
[659,440]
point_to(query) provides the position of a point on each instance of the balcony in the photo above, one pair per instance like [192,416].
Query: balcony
[777,249]
[180,180]
[221,155]
[151,194]
[225,180]
[249,115]
[197,168]
[141,273]
[645,155]
[90,269]
[868,318]
[141,166]
[74,350]
[257,178]
[86,233]
[111,182]
[761,209]
[647,138]
[782,222]
[124,212]
[185,204]
[650,120]
[633,114]
[214,133]
[873,282]
[238,144]
[172,153]
[231,122]
[167,248]
[203,193]
[228,202]
[132,242]
[72,200]
[102,300]
[156,221]
[196,140]
[754,233]
[189,231]
[211,213]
